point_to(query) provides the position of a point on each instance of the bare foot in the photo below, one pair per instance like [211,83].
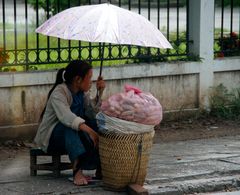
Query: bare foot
[79,179]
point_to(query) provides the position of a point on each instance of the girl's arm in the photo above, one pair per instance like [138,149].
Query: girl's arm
[59,101]
[93,135]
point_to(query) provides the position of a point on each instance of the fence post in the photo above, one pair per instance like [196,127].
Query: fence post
[201,32]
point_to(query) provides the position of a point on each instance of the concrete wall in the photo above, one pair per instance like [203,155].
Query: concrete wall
[176,85]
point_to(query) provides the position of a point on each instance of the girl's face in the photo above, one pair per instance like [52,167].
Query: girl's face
[86,83]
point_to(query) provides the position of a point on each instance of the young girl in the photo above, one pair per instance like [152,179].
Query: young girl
[68,121]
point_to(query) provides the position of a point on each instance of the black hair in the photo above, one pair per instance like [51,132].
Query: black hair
[73,69]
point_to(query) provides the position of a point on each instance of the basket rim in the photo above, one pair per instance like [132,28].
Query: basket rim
[110,133]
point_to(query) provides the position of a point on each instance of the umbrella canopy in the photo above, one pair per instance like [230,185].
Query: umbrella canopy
[104,23]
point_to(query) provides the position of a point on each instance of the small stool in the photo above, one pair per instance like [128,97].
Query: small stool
[56,166]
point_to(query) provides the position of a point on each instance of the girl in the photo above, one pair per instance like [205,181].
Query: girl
[68,120]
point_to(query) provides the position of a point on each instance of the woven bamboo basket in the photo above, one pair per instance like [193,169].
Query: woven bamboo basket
[124,158]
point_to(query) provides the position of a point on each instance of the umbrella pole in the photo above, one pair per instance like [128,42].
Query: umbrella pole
[101,54]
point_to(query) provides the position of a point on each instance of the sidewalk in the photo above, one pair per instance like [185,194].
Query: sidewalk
[182,167]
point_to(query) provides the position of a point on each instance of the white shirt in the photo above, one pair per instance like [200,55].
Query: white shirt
[58,110]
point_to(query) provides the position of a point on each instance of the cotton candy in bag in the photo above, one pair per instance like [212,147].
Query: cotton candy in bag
[133,105]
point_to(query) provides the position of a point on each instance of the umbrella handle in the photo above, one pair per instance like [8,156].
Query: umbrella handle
[101,54]
[97,96]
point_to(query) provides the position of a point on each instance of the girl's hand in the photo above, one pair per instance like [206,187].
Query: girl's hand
[92,134]
[100,84]
[94,137]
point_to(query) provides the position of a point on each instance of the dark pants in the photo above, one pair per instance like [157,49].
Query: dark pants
[77,144]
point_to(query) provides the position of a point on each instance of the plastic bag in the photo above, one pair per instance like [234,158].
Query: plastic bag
[133,105]
[115,125]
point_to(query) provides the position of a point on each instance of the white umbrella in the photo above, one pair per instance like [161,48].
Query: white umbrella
[104,23]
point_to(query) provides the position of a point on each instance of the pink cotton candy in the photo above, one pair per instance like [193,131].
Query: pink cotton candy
[134,105]
[132,88]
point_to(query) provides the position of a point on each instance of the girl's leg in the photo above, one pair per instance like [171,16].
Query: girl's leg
[57,141]
[78,177]
[98,174]
[64,139]
[77,154]
[73,144]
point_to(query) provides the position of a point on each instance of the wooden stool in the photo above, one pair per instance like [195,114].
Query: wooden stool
[56,166]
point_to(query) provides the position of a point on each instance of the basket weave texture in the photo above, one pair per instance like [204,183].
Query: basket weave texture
[124,158]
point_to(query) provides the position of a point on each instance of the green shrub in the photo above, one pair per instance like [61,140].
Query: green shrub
[225,104]
[236,3]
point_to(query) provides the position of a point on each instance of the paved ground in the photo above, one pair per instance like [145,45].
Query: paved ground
[222,193]
[179,167]
[195,166]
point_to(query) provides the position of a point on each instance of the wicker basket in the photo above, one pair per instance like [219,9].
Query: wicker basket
[124,158]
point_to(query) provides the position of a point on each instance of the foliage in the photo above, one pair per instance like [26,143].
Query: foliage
[229,45]
[54,7]
[227,3]
[3,57]
[225,104]
[128,54]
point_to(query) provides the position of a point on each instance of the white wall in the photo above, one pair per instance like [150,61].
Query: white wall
[176,85]
[181,85]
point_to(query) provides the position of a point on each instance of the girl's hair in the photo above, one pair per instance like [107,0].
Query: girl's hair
[73,69]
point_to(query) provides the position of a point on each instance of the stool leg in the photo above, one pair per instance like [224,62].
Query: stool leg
[33,163]
[56,159]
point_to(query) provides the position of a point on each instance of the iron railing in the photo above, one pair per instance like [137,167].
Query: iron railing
[23,49]
[227,28]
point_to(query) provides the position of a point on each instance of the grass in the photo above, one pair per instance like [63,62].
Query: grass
[132,55]
[225,104]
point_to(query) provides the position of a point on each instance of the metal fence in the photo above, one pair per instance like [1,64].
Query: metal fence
[22,49]
[227,28]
